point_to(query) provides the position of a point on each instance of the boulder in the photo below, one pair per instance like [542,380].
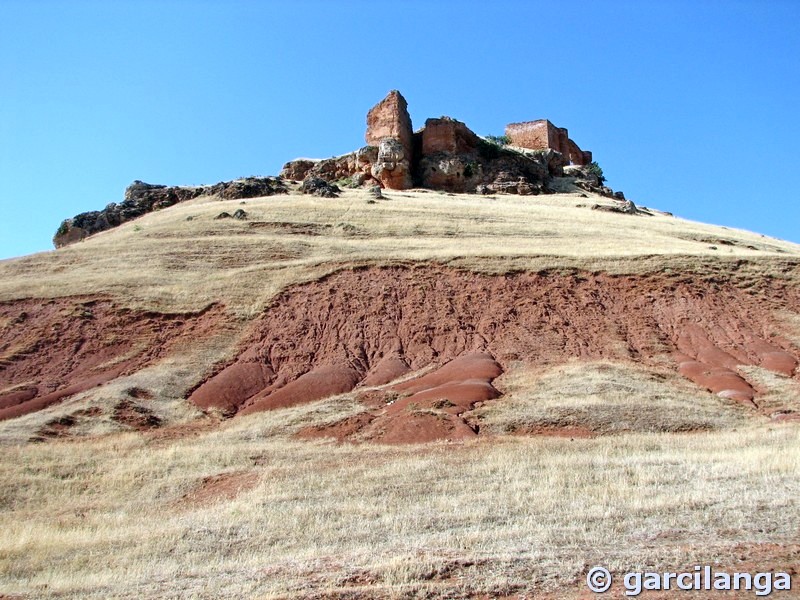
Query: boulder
[297,170]
[626,208]
[392,167]
[319,187]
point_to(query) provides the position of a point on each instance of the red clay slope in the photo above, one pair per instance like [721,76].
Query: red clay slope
[371,325]
[51,349]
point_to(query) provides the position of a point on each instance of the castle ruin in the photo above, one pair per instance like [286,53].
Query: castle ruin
[542,134]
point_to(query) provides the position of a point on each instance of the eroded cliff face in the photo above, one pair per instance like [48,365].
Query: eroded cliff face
[366,328]
[421,346]
[52,349]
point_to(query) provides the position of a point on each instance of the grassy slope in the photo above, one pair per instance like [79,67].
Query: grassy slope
[109,516]
[166,261]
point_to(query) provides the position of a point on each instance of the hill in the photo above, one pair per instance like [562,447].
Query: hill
[420,394]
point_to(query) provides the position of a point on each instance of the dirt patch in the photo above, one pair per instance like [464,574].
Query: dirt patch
[61,427]
[369,326]
[135,416]
[566,431]
[219,488]
[51,349]
[340,430]
[313,229]
[321,382]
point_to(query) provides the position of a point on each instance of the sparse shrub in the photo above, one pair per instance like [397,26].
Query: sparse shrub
[471,169]
[346,182]
[488,150]
[63,228]
[500,140]
[595,169]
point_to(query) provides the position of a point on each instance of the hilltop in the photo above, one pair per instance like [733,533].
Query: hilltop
[444,155]
[438,366]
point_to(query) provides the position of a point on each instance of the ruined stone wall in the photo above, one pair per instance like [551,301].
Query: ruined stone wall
[447,135]
[542,134]
[578,156]
[390,119]
[562,141]
[536,135]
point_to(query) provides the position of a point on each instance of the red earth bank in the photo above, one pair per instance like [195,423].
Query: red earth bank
[51,349]
[366,327]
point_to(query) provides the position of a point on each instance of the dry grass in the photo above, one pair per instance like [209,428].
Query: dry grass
[105,517]
[167,262]
[606,398]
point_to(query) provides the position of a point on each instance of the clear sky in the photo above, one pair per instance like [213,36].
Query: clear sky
[690,107]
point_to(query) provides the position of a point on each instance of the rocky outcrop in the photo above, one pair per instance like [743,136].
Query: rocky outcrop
[355,166]
[297,170]
[142,198]
[389,128]
[317,186]
[249,187]
[444,155]
[585,178]
[392,167]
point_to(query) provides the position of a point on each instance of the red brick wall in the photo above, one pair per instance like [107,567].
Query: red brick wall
[535,135]
[542,134]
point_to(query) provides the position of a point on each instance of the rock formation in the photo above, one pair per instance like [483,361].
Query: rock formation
[389,128]
[317,186]
[142,198]
[393,167]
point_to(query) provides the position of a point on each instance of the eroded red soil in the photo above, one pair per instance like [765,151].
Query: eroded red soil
[447,334]
[220,487]
[51,349]
[367,327]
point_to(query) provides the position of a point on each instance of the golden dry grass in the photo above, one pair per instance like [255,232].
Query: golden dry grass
[107,517]
[605,398]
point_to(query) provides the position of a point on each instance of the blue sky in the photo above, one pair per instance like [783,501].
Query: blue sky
[690,107]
